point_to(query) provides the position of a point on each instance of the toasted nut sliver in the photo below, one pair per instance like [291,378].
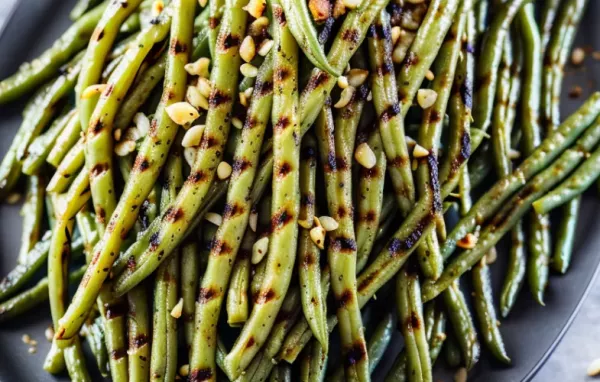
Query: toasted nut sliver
[429,75]
[426,98]
[237,123]
[32,350]
[177,309]
[214,218]
[467,242]
[224,170]
[342,82]
[357,77]
[491,256]
[49,333]
[184,370]
[414,165]
[396,31]
[132,134]
[142,123]
[204,87]
[195,98]
[514,154]
[255,8]
[257,27]
[328,223]
[365,155]
[345,97]
[260,249]
[305,224]
[13,198]
[26,339]
[248,92]
[157,7]
[265,47]
[182,113]
[253,220]
[370,96]
[578,56]
[249,70]
[352,4]
[203,3]
[247,49]
[317,235]
[193,136]
[124,147]
[117,134]
[316,221]
[243,99]
[92,90]
[199,67]
[189,153]
[594,368]
[420,151]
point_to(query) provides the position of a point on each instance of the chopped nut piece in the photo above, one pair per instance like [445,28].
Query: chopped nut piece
[249,70]
[117,134]
[93,90]
[32,350]
[352,4]
[317,235]
[357,77]
[214,218]
[26,339]
[204,87]
[365,156]
[429,75]
[265,47]
[224,170]
[243,99]
[184,370]
[594,368]
[467,242]
[157,7]
[339,9]
[257,27]
[199,67]
[491,256]
[396,31]
[328,223]
[253,220]
[305,224]
[237,123]
[142,123]
[203,3]
[345,97]
[190,153]
[13,198]
[420,151]
[177,309]
[260,249]
[193,136]
[578,56]
[319,9]
[195,98]
[414,165]
[514,154]
[182,113]
[575,92]
[255,8]
[124,147]
[248,92]
[426,98]
[247,49]
[49,333]
[342,82]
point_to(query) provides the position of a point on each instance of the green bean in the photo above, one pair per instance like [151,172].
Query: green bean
[138,330]
[398,371]
[462,323]
[281,373]
[452,351]
[539,234]
[98,145]
[314,363]
[237,293]
[33,213]
[464,190]
[65,141]
[319,85]
[286,200]
[565,237]
[69,166]
[94,334]
[301,27]
[216,9]
[31,297]
[163,363]
[544,154]
[547,20]
[572,187]
[101,41]
[314,301]
[33,74]
[500,131]
[131,24]
[338,143]
[486,313]
[515,207]
[391,126]
[515,273]
[461,143]
[487,69]
[424,49]
[192,267]
[436,333]
[113,311]
[515,87]
[219,267]
[370,201]
[75,361]
[410,314]
[151,158]
[40,147]
[481,13]
[81,7]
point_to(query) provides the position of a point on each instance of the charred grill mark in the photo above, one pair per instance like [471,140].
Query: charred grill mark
[413,322]
[370,216]
[201,375]
[263,88]
[343,245]
[240,165]
[218,98]
[115,310]
[344,299]
[411,59]
[98,169]
[281,219]
[434,116]
[279,15]
[265,296]
[197,177]
[229,41]
[206,294]
[376,31]
[369,173]
[177,47]
[98,34]
[282,123]
[283,169]
[308,260]
[355,354]
[399,247]
[172,214]
[307,200]
[96,126]
[131,263]
[220,247]
[387,67]
[154,241]
[138,341]
[281,74]
[317,81]
[141,164]
[118,354]
[390,112]
[351,36]
[213,22]
[232,210]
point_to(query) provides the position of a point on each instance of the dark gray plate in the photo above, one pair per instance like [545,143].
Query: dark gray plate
[531,332]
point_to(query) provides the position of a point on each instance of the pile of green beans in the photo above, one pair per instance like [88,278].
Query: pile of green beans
[176,158]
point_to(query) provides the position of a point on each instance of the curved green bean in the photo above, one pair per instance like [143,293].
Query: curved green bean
[462,323]
[138,332]
[237,293]
[41,146]
[33,214]
[565,239]
[65,141]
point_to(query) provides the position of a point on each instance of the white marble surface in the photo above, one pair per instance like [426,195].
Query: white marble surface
[579,347]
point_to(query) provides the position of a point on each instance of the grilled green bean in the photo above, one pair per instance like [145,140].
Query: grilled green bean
[386,103]
[192,268]
[65,141]
[138,331]
[545,153]
[462,323]
[314,363]
[565,237]
[515,274]
[486,313]
[150,159]
[42,145]
[33,213]
[547,19]
[94,334]
[237,293]
[516,206]
[452,351]
[424,50]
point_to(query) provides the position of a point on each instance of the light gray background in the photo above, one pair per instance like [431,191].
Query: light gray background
[577,349]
